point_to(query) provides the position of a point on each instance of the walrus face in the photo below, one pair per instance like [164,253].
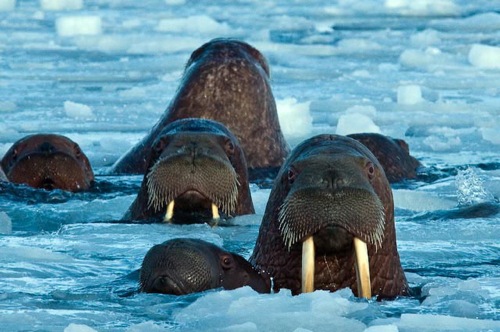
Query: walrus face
[331,205]
[183,266]
[192,176]
[49,162]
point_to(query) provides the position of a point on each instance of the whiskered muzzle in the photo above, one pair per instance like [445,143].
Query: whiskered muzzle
[212,178]
[307,211]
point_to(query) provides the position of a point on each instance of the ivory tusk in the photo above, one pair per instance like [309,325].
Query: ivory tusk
[362,269]
[308,265]
[215,212]
[170,212]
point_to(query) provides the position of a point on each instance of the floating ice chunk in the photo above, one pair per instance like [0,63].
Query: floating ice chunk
[482,23]
[423,7]
[78,328]
[470,188]
[325,311]
[295,118]
[199,24]
[431,59]
[149,326]
[68,26]
[424,323]
[491,134]
[75,110]
[175,2]
[352,123]
[425,38]
[5,223]
[6,5]
[409,94]
[382,328]
[484,56]
[61,4]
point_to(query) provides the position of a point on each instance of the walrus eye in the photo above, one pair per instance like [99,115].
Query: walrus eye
[159,146]
[229,147]
[370,169]
[226,262]
[78,151]
[292,175]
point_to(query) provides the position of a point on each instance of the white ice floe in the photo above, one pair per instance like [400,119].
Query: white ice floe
[69,26]
[409,94]
[76,110]
[295,117]
[61,4]
[357,119]
[7,5]
[199,24]
[484,56]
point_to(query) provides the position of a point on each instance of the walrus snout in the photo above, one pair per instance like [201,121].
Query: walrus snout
[193,180]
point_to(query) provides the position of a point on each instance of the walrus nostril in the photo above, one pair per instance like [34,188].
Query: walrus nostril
[46,147]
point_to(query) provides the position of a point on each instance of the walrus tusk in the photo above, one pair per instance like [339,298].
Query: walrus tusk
[215,212]
[362,269]
[308,265]
[170,212]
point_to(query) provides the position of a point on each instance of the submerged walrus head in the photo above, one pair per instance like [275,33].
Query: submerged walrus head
[183,266]
[329,222]
[197,171]
[48,161]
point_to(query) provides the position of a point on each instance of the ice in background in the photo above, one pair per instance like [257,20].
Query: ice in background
[103,71]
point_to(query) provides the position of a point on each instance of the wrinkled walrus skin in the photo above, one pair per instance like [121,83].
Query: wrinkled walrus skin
[392,153]
[331,187]
[184,266]
[48,161]
[227,81]
[194,163]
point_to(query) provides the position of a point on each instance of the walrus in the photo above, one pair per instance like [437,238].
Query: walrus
[48,161]
[196,172]
[183,266]
[392,153]
[228,81]
[329,222]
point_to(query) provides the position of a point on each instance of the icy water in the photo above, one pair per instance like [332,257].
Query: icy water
[103,71]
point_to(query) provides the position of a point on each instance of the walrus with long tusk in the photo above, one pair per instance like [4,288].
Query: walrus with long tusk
[329,223]
[197,172]
[225,80]
[48,161]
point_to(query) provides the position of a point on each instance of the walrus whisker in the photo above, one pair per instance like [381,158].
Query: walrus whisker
[362,267]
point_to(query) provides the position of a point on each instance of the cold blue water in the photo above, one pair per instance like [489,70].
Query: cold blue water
[103,71]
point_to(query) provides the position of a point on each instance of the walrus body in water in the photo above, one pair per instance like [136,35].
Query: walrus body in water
[227,81]
[329,222]
[196,173]
[48,161]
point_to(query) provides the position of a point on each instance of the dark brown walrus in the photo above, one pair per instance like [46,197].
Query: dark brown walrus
[183,266]
[196,169]
[48,161]
[392,153]
[331,196]
[227,81]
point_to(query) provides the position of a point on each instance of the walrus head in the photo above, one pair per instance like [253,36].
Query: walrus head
[196,172]
[48,161]
[328,220]
[183,266]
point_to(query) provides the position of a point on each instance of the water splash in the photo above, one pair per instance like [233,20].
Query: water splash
[470,188]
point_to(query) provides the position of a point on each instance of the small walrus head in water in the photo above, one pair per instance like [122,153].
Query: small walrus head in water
[48,161]
[329,222]
[197,172]
[183,266]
